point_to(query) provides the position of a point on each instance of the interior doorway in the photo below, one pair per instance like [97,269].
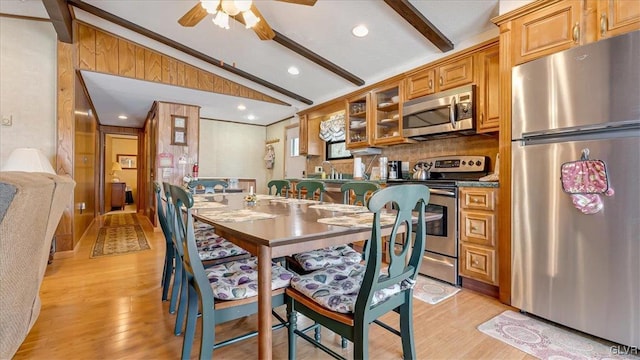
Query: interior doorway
[294,163]
[121,159]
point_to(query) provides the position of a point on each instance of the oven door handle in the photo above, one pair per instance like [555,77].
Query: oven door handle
[442,192]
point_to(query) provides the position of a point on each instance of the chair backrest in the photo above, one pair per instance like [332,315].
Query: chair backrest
[185,234]
[281,187]
[404,198]
[360,190]
[208,184]
[161,210]
[311,186]
[171,219]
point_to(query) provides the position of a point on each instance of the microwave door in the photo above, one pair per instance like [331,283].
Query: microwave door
[433,120]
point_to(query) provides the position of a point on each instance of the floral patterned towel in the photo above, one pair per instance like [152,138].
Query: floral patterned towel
[234,215]
[358,220]
[351,209]
[585,180]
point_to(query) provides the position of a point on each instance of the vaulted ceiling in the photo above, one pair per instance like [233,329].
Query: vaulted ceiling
[392,46]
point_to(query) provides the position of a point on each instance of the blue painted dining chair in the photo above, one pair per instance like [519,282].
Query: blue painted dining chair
[212,250]
[359,190]
[347,301]
[221,293]
[169,256]
[279,187]
[207,186]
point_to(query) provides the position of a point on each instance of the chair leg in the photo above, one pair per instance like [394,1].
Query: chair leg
[208,338]
[167,273]
[406,329]
[177,284]
[361,342]
[293,320]
[345,342]
[182,305]
[192,320]
[317,333]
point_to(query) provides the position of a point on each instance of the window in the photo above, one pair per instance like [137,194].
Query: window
[294,147]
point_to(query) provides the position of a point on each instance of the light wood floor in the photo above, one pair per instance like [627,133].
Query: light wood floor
[110,308]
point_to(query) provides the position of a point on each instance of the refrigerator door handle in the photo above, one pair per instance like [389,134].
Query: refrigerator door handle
[587,128]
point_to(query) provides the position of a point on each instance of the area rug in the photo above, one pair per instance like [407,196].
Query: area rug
[432,291]
[119,240]
[545,340]
[120,219]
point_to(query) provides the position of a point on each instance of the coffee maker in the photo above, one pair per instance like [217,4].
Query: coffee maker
[395,169]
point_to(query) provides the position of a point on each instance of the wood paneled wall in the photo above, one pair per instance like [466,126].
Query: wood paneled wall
[107,53]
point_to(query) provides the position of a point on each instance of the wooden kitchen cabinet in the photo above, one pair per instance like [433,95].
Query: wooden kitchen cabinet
[358,120]
[442,77]
[488,109]
[551,29]
[118,195]
[386,122]
[478,240]
[616,17]
[309,142]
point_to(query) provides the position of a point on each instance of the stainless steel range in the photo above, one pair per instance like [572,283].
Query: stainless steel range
[444,174]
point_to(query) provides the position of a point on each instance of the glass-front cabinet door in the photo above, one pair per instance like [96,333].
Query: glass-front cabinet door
[387,116]
[358,133]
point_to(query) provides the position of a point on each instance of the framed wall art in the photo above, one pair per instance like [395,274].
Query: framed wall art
[178,130]
[127,161]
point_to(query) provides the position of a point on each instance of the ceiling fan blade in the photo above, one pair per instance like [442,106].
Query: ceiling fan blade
[300,2]
[193,16]
[262,28]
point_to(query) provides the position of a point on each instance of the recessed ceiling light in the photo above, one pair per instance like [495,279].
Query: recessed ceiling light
[122,117]
[241,107]
[251,117]
[360,31]
[293,70]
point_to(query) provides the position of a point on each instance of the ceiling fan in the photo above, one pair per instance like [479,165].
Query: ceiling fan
[243,11]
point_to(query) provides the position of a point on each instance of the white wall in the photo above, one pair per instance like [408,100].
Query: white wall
[232,150]
[508,5]
[28,57]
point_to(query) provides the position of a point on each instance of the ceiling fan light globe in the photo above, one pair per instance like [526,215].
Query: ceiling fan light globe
[222,20]
[210,5]
[229,6]
[242,5]
[250,19]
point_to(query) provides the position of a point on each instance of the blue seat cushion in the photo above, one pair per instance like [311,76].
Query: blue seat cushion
[329,256]
[336,287]
[238,279]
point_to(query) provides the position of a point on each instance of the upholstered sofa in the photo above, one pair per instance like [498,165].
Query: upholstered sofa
[31,205]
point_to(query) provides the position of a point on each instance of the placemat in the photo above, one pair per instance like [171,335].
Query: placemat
[235,215]
[351,209]
[295,201]
[207,205]
[358,220]
[268,197]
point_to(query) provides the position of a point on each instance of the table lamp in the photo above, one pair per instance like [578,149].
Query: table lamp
[29,160]
[115,167]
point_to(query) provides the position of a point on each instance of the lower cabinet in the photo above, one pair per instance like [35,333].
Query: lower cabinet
[118,195]
[478,240]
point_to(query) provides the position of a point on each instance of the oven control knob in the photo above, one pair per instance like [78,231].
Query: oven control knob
[470,163]
[464,162]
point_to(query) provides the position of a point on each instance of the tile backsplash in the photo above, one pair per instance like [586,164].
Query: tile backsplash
[486,144]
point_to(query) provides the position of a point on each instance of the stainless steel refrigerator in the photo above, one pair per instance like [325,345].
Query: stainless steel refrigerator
[576,249]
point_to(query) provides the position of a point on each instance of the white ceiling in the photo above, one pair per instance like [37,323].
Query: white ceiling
[391,47]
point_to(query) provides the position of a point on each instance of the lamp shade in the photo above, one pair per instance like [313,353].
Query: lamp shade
[116,166]
[29,160]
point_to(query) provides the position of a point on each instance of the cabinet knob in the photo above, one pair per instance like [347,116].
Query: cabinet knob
[576,33]
[430,83]
[475,262]
[476,201]
[603,24]
[441,81]
[474,228]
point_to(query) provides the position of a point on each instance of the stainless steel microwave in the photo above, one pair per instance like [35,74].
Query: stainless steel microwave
[445,112]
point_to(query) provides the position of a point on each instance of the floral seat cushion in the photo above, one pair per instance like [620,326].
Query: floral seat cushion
[329,256]
[239,279]
[336,287]
[211,246]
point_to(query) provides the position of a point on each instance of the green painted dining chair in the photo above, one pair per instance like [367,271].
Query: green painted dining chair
[220,293]
[212,250]
[209,186]
[313,188]
[169,257]
[348,300]
[360,190]
[279,187]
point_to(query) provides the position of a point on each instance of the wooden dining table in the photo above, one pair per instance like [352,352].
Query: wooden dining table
[274,227]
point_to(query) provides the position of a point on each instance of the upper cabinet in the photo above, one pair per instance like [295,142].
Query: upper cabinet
[310,143]
[387,119]
[617,17]
[445,76]
[488,109]
[357,126]
[555,28]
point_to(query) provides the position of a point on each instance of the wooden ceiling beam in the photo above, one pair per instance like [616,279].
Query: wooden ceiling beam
[308,54]
[180,47]
[60,18]
[420,23]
